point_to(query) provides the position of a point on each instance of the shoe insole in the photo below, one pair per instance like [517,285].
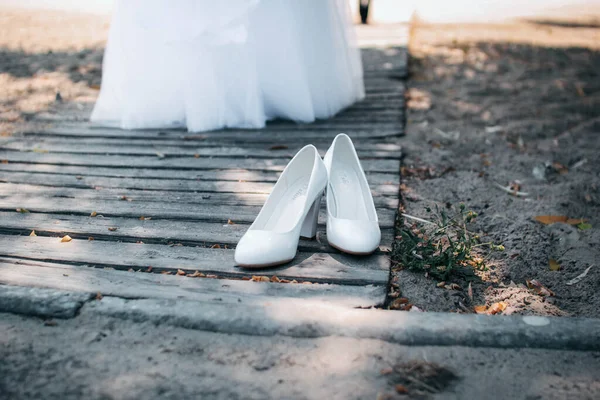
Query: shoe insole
[346,191]
[290,207]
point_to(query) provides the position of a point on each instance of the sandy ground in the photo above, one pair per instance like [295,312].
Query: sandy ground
[495,104]
[487,103]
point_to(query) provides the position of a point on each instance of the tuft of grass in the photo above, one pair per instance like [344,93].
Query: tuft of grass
[441,244]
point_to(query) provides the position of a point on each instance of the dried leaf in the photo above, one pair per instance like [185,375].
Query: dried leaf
[284,281]
[554,265]
[4,161]
[180,272]
[196,274]
[196,155]
[22,210]
[538,288]
[112,228]
[470,292]
[401,389]
[576,221]
[165,272]
[212,276]
[454,286]
[149,269]
[497,308]
[98,296]
[480,309]
[278,147]
[561,169]
[215,246]
[441,285]
[399,303]
[125,198]
[93,214]
[32,233]
[142,218]
[90,238]
[551,219]
[65,239]
[230,222]
[275,279]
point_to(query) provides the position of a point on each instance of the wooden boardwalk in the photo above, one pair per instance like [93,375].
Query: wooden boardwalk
[172,202]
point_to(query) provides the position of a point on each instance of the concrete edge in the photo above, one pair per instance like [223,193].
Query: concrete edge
[48,303]
[319,320]
[288,317]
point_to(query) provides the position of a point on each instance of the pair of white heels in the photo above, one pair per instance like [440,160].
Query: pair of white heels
[292,209]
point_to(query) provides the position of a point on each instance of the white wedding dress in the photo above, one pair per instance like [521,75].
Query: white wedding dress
[206,65]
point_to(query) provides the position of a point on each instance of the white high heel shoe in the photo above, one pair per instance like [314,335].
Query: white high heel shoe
[290,212]
[352,223]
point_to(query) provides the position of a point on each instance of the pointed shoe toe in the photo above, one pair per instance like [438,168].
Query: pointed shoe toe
[359,237]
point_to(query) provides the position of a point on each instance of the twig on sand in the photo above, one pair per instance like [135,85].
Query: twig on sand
[579,277]
[511,191]
[417,219]
[582,125]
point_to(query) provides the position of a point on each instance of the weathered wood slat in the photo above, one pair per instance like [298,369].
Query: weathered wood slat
[218,213]
[272,134]
[236,175]
[190,233]
[139,285]
[160,184]
[180,162]
[316,267]
[134,149]
[362,145]
[245,199]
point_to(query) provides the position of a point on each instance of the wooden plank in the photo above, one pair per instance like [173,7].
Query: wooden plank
[315,267]
[275,134]
[179,162]
[218,213]
[246,199]
[167,150]
[236,175]
[164,185]
[139,285]
[362,145]
[189,233]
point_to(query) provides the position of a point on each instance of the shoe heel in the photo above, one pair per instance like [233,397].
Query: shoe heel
[309,225]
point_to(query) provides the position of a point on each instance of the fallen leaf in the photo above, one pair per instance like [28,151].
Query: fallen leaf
[293,281]
[551,219]
[125,198]
[284,281]
[441,285]
[278,147]
[165,272]
[22,210]
[65,239]
[230,222]
[470,292]
[579,277]
[112,228]
[480,309]
[4,161]
[130,270]
[180,272]
[93,214]
[455,286]
[584,226]
[196,155]
[561,169]
[90,238]
[32,233]
[497,308]
[576,221]
[554,265]
[538,288]
[399,303]
[142,218]
[196,274]
[212,276]
[194,137]
[149,269]
[401,389]
[98,296]
[275,279]
[139,242]
[215,246]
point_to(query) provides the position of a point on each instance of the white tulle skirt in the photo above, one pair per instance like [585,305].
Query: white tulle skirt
[206,65]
